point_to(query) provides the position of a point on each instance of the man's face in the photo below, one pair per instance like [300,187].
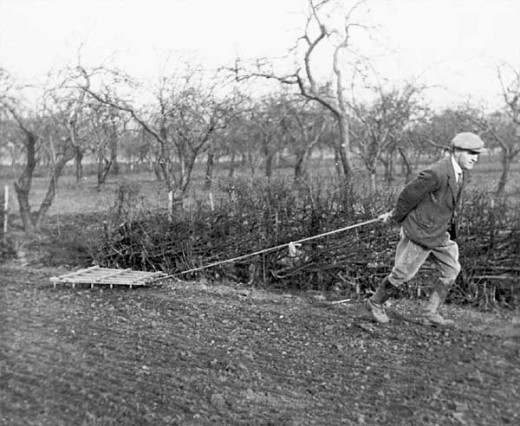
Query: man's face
[467,159]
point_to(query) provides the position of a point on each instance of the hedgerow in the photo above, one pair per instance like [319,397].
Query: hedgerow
[251,216]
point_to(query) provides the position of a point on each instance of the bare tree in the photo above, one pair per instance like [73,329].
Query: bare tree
[265,124]
[509,137]
[332,95]
[10,145]
[238,144]
[381,125]
[500,129]
[182,120]
[234,105]
[107,126]
[65,105]
[303,129]
[34,132]
[47,131]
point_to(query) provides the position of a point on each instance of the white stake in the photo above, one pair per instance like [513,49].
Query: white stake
[170,205]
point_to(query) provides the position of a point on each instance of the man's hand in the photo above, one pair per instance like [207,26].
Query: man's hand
[385,217]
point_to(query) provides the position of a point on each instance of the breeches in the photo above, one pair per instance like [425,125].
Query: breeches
[409,258]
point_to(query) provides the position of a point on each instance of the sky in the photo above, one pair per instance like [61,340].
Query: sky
[451,45]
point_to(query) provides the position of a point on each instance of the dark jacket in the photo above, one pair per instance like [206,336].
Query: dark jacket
[426,206]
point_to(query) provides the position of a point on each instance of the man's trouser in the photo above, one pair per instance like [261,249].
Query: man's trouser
[409,257]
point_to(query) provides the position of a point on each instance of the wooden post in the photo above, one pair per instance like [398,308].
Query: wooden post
[211,202]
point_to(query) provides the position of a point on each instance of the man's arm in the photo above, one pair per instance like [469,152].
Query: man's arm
[413,193]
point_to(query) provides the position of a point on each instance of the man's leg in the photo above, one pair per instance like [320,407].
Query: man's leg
[447,259]
[375,303]
[409,258]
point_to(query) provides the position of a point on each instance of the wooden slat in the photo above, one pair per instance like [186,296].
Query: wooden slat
[107,276]
[113,273]
[72,274]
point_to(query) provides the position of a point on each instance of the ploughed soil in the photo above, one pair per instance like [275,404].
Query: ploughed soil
[199,353]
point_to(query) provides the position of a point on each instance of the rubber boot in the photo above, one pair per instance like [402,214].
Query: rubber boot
[431,312]
[376,302]
[383,292]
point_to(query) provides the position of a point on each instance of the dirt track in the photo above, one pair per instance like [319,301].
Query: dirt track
[198,354]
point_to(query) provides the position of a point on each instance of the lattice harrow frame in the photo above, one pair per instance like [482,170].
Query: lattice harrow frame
[96,275]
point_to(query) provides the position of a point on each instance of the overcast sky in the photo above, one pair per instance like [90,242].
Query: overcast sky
[455,44]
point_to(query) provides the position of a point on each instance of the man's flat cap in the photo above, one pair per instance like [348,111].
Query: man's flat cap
[468,141]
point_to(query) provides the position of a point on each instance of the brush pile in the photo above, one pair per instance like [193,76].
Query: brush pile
[490,252]
[255,216]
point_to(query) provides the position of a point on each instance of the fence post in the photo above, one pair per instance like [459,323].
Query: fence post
[211,202]
[170,206]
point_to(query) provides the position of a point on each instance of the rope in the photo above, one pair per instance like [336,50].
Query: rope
[291,245]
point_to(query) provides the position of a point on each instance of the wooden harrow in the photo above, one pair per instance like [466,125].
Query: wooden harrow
[96,275]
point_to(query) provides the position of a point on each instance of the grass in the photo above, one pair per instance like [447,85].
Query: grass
[83,197]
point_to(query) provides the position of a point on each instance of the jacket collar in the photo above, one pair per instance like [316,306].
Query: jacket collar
[453,168]
[456,168]
[452,180]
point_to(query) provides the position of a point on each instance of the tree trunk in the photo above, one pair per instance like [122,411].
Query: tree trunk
[343,148]
[406,164]
[104,167]
[373,180]
[372,172]
[51,190]
[251,162]
[79,164]
[299,165]
[23,185]
[113,155]
[506,167]
[232,165]
[389,165]
[337,162]
[269,165]
[210,166]
[157,170]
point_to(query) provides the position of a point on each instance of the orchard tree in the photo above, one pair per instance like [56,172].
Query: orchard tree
[382,123]
[253,134]
[107,127]
[11,145]
[182,116]
[237,142]
[43,131]
[219,144]
[322,37]
[500,129]
[505,127]
[137,148]
[65,105]
[304,128]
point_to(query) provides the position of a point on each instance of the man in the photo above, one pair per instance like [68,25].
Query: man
[426,212]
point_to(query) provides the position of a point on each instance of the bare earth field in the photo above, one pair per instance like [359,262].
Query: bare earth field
[200,353]
[187,353]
